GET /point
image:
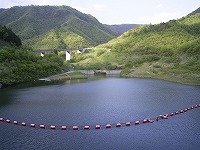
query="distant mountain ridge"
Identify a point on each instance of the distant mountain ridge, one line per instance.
(121, 28)
(35, 24)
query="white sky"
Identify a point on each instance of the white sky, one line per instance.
(121, 11)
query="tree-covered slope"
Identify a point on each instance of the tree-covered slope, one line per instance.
(58, 39)
(163, 37)
(19, 65)
(29, 22)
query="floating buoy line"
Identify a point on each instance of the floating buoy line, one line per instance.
(98, 126)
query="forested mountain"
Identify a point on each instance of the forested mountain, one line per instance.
(160, 38)
(121, 28)
(56, 26)
(168, 50)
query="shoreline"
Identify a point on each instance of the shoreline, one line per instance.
(73, 75)
(184, 81)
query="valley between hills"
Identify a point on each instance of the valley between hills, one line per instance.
(169, 50)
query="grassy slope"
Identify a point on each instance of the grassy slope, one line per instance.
(70, 76)
(166, 51)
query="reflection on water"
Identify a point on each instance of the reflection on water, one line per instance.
(102, 101)
(4, 98)
(38, 83)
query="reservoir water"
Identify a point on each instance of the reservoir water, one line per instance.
(102, 101)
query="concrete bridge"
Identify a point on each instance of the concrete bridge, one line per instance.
(103, 72)
(68, 52)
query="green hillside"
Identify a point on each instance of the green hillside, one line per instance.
(58, 39)
(38, 23)
(168, 51)
(164, 37)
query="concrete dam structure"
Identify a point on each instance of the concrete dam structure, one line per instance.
(101, 72)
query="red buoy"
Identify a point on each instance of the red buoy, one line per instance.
(118, 125)
(199, 105)
(108, 126)
(171, 114)
(177, 112)
(64, 127)
(195, 106)
(145, 120)
(165, 117)
(181, 111)
(42, 126)
(75, 127)
(188, 108)
(53, 127)
(15, 122)
(8, 121)
(87, 127)
(128, 123)
(97, 127)
(185, 110)
(137, 122)
(32, 125)
(151, 121)
(1, 119)
(192, 107)
(23, 124)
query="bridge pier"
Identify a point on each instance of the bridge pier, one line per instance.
(68, 52)
(68, 55)
(42, 54)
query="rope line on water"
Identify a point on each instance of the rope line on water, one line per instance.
(98, 126)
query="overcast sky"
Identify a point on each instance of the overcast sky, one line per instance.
(121, 11)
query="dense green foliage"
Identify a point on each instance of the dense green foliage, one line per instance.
(58, 39)
(8, 36)
(36, 24)
(21, 64)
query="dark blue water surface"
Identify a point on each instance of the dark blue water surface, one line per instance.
(107, 100)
